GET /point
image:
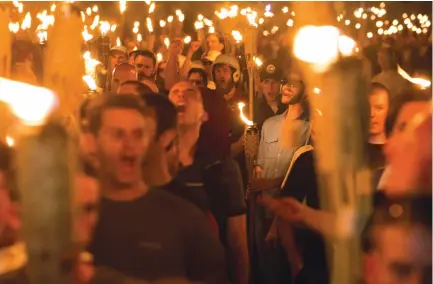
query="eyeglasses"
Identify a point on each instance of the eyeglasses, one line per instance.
(291, 83)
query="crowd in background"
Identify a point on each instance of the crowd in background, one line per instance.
(162, 194)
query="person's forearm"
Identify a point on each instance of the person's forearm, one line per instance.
(236, 148)
(241, 262)
(321, 221)
(237, 242)
(171, 73)
(186, 66)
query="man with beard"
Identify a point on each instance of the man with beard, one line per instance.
(145, 62)
(227, 75)
(281, 135)
(270, 82)
(219, 180)
(143, 232)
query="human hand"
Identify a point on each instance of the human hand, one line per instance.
(175, 48)
(287, 209)
(195, 45)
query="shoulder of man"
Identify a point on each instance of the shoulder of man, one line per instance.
(178, 205)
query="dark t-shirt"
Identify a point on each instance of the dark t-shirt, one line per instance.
(225, 190)
(156, 236)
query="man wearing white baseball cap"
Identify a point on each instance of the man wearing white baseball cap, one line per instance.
(118, 55)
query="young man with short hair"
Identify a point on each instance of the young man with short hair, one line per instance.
(219, 179)
(145, 62)
(145, 232)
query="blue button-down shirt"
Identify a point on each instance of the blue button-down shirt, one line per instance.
(273, 157)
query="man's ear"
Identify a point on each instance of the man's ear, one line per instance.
(205, 116)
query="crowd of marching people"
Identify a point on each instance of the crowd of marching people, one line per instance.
(163, 190)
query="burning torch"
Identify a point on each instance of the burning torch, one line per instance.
(104, 52)
(251, 136)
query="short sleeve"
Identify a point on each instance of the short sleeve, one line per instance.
(224, 186)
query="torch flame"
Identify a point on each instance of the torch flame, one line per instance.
(105, 28)
(14, 27)
(139, 38)
(424, 84)
(198, 25)
(159, 57)
(122, 6)
(167, 42)
(10, 141)
(118, 42)
(91, 84)
(162, 23)
(187, 39)
(152, 8)
(170, 19)
(89, 11)
(27, 22)
(237, 36)
(149, 25)
(53, 8)
(241, 106)
(31, 104)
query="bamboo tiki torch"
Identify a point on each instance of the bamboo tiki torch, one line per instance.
(344, 179)
(64, 66)
(45, 163)
(5, 64)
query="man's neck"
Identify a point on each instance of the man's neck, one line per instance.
(156, 172)
(377, 139)
(294, 111)
(117, 193)
(229, 94)
(273, 104)
(188, 138)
